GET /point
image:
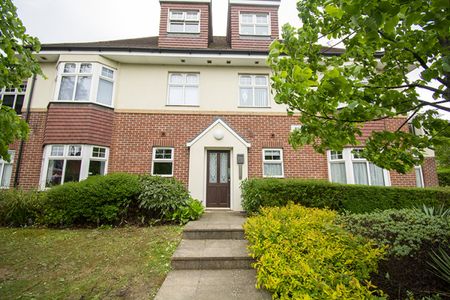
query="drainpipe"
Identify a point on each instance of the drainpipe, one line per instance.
(22, 142)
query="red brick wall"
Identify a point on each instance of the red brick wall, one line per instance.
(78, 123)
(429, 172)
(183, 40)
(249, 42)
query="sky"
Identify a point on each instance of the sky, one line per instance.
(55, 21)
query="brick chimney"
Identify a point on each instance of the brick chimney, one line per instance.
(252, 24)
(185, 24)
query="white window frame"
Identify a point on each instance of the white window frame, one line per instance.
(85, 158)
(183, 20)
(163, 160)
(16, 92)
(254, 24)
(3, 163)
(253, 86)
(348, 159)
(296, 127)
(96, 75)
(281, 161)
(419, 168)
(183, 85)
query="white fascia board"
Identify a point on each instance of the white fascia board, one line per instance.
(187, 1)
(219, 121)
(256, 2)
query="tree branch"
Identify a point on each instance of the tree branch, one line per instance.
(412, 85)
(436, 104)
(408, 119)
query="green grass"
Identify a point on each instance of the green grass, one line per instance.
(119, 263)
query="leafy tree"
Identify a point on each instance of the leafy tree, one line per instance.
(16, 65)
(336, 93)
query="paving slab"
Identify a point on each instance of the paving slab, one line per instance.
(211, 284)
(219, 220)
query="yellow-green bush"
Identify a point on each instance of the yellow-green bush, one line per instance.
(302, 254)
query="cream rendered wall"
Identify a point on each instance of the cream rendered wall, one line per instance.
(198, 164)
(44, 88)
(144, 87)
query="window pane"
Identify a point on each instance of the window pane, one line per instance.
(163, 154)
(69, 68)
(19, 104)
(357, 153)
(247, 29)
(176, 27)
(74, 150)
(98, 152)
(192, 79)
(261, 30)
(57, 151)
(245, 80)
(337, 171)
(176, 78)
(96, 168)
(272, 169)
(72, 170)
(86, 68)
(192, 27)
(246, 97)
(176, 95)
(261, 19)
(54, 172)
(105, 91)
(247, 18)
(272, 155)
(360, 172)
(191, 94)
(376, 175)
(261, 97)
(176, 15)
(419, 181)
(223, 167)
(213, 168)
(23, 88)
(261, 80)
(83, 88)
(107, 72)
(66, 89)
(8, 100)
(336, 155)
(192, 15)
(6, 175)
(162, 168)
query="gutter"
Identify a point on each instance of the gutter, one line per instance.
(22, 142)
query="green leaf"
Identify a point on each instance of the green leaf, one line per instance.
(334, 11)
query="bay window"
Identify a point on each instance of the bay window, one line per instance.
(85, 82)
(68, 163)
(6, 170)
(348, 166)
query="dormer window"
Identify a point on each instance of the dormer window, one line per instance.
(181, 21)
(256, 24)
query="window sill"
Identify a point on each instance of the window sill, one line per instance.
(255, 37)
(81, 102)
(183, 105)
(188, 34)
(260, 107)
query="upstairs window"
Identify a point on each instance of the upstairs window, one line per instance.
(162, 162)
(183, 89)
(85, 82)
(273, 163)
(6, 171)
(13, 97)
(254, 24)
(184, 21)
(348, 166)
(253, 90)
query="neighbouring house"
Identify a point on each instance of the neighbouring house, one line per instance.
(184, 104)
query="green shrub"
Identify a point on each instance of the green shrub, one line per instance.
(404, 230)
(98, 200)
(301, 254)
(444, 177)
(258, 193)
(19, 208)
(190, 211)
(162, 195)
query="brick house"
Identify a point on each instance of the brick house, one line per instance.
(184, 104)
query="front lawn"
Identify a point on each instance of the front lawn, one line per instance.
(119, 263)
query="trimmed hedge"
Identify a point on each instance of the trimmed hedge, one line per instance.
(257, 193)
(444, 177)
(20, 208)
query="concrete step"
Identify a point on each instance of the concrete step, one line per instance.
(214, 233)
(211, 284)
(211, 255)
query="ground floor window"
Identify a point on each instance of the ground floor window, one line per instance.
(162, 161)
(67, 163)
(273, 163)
(6, 171)
(419, 176)
(348, 166)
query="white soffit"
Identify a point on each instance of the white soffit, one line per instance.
(228, 128)
(256, 2)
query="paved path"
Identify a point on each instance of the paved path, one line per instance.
(212, 262)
